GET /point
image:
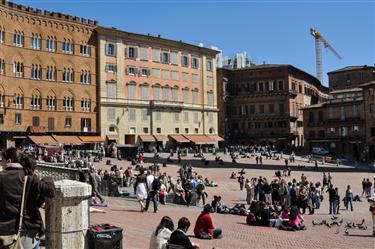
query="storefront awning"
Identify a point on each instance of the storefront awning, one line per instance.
(147, 138)
(112, 137)
(69, 140)
(42, 140)
(91, 139)
(216, 138)
(160, 138)
(179, 138)
(200, 139)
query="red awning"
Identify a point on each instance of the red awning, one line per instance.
(72, 140)
(91, 139)
(216, 138)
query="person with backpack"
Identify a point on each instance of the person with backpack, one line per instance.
(153, 187)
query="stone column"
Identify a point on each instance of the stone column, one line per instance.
(67, 216)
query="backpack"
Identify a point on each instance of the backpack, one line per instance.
(156, 184)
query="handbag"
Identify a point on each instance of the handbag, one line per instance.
(13, 241)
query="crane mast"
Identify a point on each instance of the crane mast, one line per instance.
(318, 52)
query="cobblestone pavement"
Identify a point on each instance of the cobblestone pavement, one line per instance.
(236, 233)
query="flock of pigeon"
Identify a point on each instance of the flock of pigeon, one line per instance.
(338, 223)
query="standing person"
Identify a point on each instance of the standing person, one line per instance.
(286, 162)
(267, 192)
(249, 191)
(200, 191)
(319, 195)
(325, 180)
(179, 237)
(349, 198)
(162, 234)
(16, 167)
(153, 186)
(337, 201)
(140, 188)
(260, 160)
(93, 180)
(329, 178)
(363, 187)
(204, 228)
(241, 181)
(332, 199)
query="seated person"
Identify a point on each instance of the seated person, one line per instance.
(233, 176)
(204, 228)
(162, 233)
(179, 237)
(259, 214)
(295, 221)
(218, 207)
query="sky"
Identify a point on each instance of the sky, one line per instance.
(270, 31)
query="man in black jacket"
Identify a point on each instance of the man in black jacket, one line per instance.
(332, 199)
(15, 167)
(179, 237)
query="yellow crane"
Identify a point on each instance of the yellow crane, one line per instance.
(318, 52)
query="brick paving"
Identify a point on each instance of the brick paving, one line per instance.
(236, 233)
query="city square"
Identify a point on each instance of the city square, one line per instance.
(187, 124)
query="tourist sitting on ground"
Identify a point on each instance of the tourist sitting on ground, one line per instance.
(233, 176)
(238, 209)
(208, 183)
(179, 237)
(218, 207)
(259, 214)
(169, 160)
(295, 221)
(162, 234)
(204, 228)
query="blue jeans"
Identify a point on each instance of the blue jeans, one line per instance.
(317, 204)
(349, 201)
(332, 206)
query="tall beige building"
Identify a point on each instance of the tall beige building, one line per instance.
(154, 89)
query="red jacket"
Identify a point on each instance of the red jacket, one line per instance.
(203, 224)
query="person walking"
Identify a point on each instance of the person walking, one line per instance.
(21, 189)
(241, 181)
(332, 199)
(140, 188)
(153, 186)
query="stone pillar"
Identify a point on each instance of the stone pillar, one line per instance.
(67, 216)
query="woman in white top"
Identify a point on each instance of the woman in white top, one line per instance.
(162, 234)
(140, 188)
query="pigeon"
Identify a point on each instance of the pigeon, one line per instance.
(346, 232)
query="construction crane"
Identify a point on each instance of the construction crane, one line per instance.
(318, 52)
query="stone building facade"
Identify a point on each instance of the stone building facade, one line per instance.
(152, 87)
(369, 113)
(338, 125)
(350, 77)
(263, 104)
(47, 73)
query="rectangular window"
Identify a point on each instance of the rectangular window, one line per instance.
(132, 113)
(196, 115)
(185, 61)
(209, 80)
(186, 116)
(186, 130)
(343, 113)
(195, 78)
(158, 130)
(165, 94)
(86, 124)
(18, 119)
(51, 124)
(185, 92)
(165, 57)
(144, 115)
(260, 86)
(156, 73)
(144, 55)
(177, 130)
(35, 121)
(372, 131)
(165, 74)
(371, 108)
(210, 99)
(145, 72)
(156, 54)
(131, 70)
(131, 52)
(111, 114)
(68, 122)
(270, 86)
(2, 35)
(195, 63)
(185, 77)
(281, 109)
(144, 92)
(175, 94)
(209, 65)
(174, 58)
(355, 110)
(252, 109)
(110, 49)
(281, 85)
(131, 92)
(177, 117)
(196, 130)
(261, 109)
(195, 97)
(174, 75)
(110, 68)
(145, 130)
(371, 91)
(157, 115)
(156, 93)
(111, 90)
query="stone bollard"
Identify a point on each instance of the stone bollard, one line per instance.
(67, 216)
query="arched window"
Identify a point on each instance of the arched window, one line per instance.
(85, 104)
(35, 101)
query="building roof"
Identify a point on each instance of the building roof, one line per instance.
(349, 90)
(368, 83)
(351, 68)
(148, 37)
